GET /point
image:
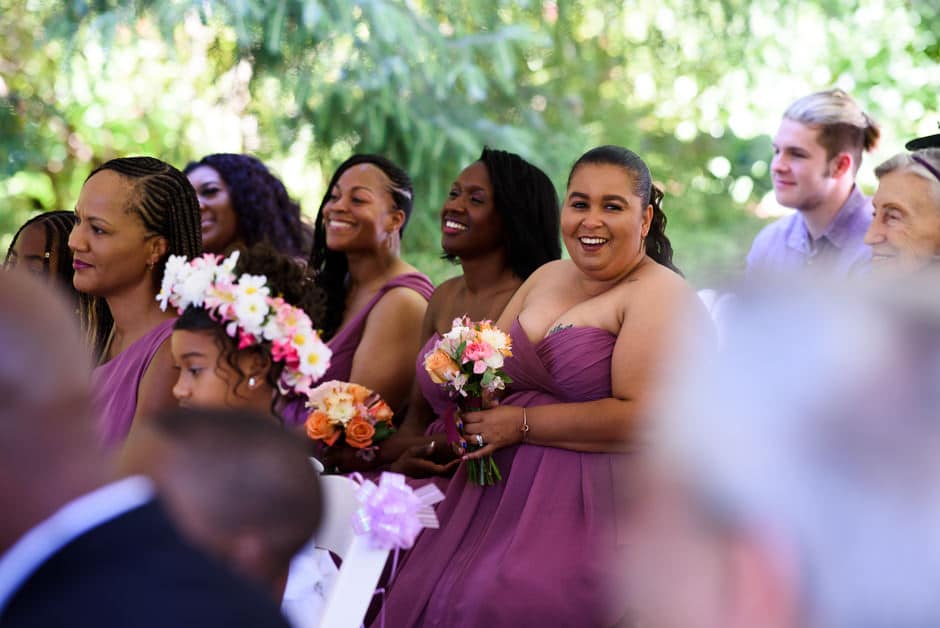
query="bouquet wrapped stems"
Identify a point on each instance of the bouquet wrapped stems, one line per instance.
(483, 471)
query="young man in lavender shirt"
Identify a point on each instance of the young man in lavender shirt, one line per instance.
(817, 151)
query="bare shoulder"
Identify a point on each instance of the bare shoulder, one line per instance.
(662, 293)
(551, 273)
(401, 303)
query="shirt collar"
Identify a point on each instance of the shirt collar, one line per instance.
(841, 232)
(72, 520)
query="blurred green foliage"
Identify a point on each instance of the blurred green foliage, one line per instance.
(694, 86)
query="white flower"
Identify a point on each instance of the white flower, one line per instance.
(272, 329)
(494, 338)
(194, 286)
(250, 311)
(228, 264)
(252, 286)
(314, 356)
(175, 265)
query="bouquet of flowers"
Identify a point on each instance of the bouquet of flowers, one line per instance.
(468, 362)
(345, 413)
(251, 315)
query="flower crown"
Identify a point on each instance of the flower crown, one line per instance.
(245, 307)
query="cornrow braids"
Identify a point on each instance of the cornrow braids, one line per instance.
(264, 209)
(166, 203)
(330, 268)
(57, 258)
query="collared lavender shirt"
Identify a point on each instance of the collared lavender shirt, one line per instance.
(785, 245)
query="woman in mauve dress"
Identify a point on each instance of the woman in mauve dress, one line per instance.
(131, 215)
(538, 548)
(375, 301)
(500, 222)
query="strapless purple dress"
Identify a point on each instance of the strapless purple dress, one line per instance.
(344, 344)
(535, 549)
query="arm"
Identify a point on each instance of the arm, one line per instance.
(615, 423)
(155, 390)
(384, 360)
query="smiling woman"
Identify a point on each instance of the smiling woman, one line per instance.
(375, 301)
(242, 203)
(132, 214)
(587, 337)
(905, 232)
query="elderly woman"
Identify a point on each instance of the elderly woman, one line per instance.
(905, 232)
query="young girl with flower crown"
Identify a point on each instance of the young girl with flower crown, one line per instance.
(245, 336)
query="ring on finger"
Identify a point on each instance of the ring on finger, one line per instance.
(479, 439)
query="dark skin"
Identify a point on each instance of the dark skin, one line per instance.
(482, 292)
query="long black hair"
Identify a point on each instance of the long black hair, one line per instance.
(330, 268)
(166, 203)
(525, 199)
(657, 244)
(261, 203)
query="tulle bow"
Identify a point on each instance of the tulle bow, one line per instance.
(391, 514)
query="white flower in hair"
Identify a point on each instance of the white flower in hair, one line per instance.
(195, 284)
(314, 354)
(249, 315)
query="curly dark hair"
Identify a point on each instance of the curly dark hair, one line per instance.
(261, 203)
(525, 199)
(166, 203)
(657, 244)
(286, 278)
(57, 226)
(330, 268)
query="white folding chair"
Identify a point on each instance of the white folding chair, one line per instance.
(359, 573)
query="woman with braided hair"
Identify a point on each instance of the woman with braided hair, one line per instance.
(41, 247)
(243, 203)
(132, 214)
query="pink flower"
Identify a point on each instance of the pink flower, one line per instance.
(245, 340)
(479, 367)
(283, 350)
(476, 351)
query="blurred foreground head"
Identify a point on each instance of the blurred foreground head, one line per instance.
(237, 485)
(48, 447)
(793, 481)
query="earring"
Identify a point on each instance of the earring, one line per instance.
(251, 382)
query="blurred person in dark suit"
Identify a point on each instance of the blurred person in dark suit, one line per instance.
(76, 547)
(236, 483)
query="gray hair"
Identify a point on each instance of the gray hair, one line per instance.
(914, 163)
(817, 426)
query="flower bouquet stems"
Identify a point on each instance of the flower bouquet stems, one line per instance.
(468, 362)
(483, 471)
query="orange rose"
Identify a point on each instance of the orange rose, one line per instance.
(359, 393)
(319, 428)
(380, 411)
(440, 367)
(359, 433)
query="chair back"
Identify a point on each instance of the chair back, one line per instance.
(349, 598)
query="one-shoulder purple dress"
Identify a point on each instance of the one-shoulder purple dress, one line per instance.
(344, 344)
(116, 383)
(537, 548)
